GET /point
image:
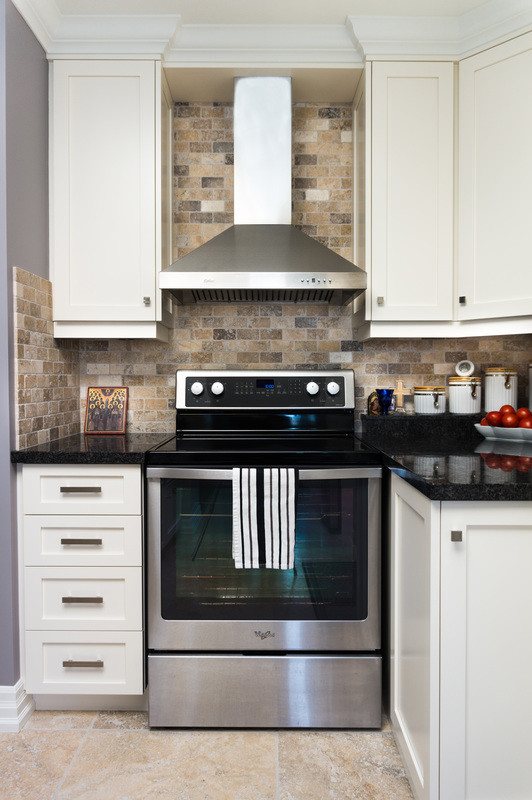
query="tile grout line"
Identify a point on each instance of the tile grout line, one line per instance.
(68, 769)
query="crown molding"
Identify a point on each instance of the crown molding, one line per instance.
(99, 35)
(454, 37)
(297, 44)
(163, 36)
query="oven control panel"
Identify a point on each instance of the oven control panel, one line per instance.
(240, 390)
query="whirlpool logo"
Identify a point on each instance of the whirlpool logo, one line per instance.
(264, 635)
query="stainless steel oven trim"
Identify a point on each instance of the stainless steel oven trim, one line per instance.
(240, 635)
(347, 374)
(227, 474)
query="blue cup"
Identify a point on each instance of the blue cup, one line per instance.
(385, 398)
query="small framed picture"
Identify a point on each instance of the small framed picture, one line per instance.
(106, 409)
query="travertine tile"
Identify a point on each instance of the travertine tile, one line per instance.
(181, 765)
(34, 762)
(121, 720)
(60, 720)
(337, 765)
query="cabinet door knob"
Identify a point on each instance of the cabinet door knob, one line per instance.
(380, 300)
(456, 536)
(462, 299)
(146, 301)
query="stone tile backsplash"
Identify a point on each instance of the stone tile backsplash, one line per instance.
(46, 369)
(53, 375)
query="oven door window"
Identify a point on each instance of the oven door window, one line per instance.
(198, 576)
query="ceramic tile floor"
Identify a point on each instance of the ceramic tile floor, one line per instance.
(86, 755)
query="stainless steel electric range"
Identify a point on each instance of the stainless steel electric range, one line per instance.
(232, 646)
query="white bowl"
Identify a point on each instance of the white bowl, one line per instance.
(508, 434)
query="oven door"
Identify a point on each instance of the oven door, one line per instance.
(198, 600)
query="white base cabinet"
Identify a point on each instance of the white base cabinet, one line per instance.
(461, 645)
(486, 652)
(81, 579)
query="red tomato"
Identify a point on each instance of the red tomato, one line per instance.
(508, 463)
(526, 422)
(493, 461)
(484, 421)
(522, 413)
(507, 410)
(522, 466)
(494, 417)
(526, 460)
(509, 420)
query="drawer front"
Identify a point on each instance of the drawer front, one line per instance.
(81, 489)
(75, 662)
(83, 598)
(77, 541)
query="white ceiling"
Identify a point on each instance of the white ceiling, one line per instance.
(270, 12)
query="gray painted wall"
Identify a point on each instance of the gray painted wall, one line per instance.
(27, 146)
(23, 242)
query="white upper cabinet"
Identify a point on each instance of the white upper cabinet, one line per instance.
(411, 191)
(495, 180)
(106, 197)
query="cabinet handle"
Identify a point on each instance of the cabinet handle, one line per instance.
(380, 301)
(146, 301)
(456, 536)
(462, 299)
(82, 599)
(80, 489)
(81, 541)
(70, 663)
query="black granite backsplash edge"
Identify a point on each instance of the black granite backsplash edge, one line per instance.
(421, 426)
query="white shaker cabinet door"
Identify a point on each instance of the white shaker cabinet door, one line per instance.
(486, 651)
(414, 642)
(411, 191)
(103, 190)
(495, 180)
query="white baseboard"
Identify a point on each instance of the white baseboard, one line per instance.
(15, 707)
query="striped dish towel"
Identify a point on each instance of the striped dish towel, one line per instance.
(264, 517)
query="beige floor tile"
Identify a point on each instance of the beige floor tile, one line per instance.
(121, 720)
(34, 762)
(339, 765)
(176, 765)
(60, 720)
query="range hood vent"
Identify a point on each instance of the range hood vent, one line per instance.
(262, 257)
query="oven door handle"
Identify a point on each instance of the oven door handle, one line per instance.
(176, 473)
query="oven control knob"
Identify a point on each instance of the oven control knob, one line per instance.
(333, 387)
(217, 388)
(197, 388)
(312, 387)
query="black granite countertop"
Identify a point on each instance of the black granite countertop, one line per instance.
(446, 459)
(443, 457)
(92, 449)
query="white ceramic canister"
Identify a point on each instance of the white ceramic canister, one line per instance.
(464, 469)
(464, 395)
(500, 388)
(432, 468)
(429, 400)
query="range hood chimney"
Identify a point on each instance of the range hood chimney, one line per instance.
(262, 257)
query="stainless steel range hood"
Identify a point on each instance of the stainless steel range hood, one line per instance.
(262, 257)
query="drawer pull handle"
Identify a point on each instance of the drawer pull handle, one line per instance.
(80, 489)
(82, 600)
(97, 664)
(82, 541)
